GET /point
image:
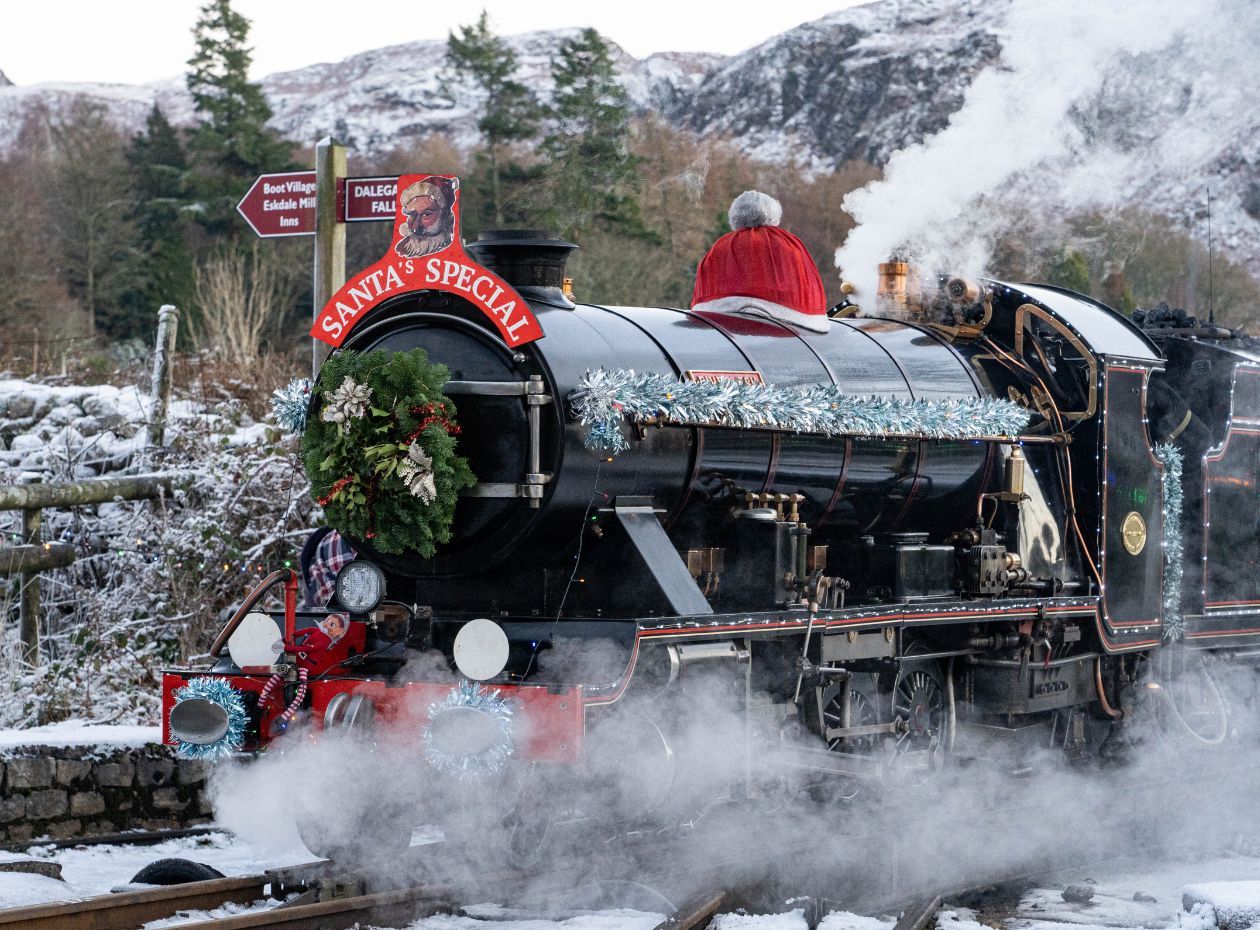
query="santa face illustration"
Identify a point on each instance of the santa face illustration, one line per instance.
(430, 222)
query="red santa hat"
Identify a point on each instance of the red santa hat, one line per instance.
(761, 270)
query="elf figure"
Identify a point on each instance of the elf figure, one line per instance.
(324, 635)
(760, 270)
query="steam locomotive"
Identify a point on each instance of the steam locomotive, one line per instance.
(820, 610)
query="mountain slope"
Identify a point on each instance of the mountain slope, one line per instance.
(1159, 131)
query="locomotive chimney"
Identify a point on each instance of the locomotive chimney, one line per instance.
(531, 260)
(900, 291)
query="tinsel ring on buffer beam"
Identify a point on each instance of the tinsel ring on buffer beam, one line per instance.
(470, 763)
(215, 691)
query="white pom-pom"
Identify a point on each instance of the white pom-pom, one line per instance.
(753, 208)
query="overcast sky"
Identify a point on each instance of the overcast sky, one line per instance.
(134, 41)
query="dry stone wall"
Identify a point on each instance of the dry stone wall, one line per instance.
(58, 791)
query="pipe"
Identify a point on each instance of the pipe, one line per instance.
(290, 608)
(1102, 694)
(250, 600)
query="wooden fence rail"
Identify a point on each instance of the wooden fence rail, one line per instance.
(33, 555)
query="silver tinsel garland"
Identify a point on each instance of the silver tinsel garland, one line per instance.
(603, 399)
(217, 691)
(477, 765)
(1170, 455)
(289, 405)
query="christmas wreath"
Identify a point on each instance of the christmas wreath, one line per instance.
(380, 452)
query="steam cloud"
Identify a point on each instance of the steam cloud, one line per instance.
(857, 846)
(1083, 91)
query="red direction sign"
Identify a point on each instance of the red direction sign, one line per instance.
(281, 204)
(370, 200)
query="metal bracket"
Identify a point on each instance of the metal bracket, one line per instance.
(639, 519)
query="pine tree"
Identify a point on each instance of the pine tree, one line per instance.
(479, 58)
(588, 148)
(231, 142)
(162, 270)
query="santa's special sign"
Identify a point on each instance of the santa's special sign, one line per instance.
(426, 254)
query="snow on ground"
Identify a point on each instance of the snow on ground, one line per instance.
(792, 920)
(599, 920)
(843, 920)
(1133, 896)
(94, 870)
(80, 733)
(1146, 895)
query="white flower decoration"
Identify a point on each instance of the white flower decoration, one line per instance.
(350, 401)
(416, 471)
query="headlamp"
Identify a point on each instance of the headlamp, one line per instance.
(360, 587)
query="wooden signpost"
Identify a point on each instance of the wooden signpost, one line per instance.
(323, 201)
(319, 203)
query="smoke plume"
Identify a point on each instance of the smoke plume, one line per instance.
(1083, 92)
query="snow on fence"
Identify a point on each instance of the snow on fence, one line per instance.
(150, 577)
(33, 556)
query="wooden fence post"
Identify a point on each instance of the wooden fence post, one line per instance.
(160, 385)
(29, 607)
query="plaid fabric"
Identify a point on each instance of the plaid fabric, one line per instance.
(331, 555)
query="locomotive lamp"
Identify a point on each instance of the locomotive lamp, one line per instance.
(360, 587)
(481, 649)
(198, 721)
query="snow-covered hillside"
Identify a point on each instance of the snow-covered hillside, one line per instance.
(1158, 130)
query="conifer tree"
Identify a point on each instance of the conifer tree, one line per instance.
(163, 266)
(230, 141)
(592, 169)
(480, 59)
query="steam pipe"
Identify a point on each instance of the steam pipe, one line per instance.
(251, 599)
(1102, 694)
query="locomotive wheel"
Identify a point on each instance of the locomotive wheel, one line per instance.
(920, 700)
(863, 711)
(348, 839)
(1191, 710)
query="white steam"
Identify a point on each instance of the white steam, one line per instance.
(1019, 123)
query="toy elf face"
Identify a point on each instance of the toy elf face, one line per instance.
(335, 626)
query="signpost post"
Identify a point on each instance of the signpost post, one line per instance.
(330, 235)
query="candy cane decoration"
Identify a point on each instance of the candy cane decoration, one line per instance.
(291, 711)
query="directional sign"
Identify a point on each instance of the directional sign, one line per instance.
(370, 200)
(281, 204)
